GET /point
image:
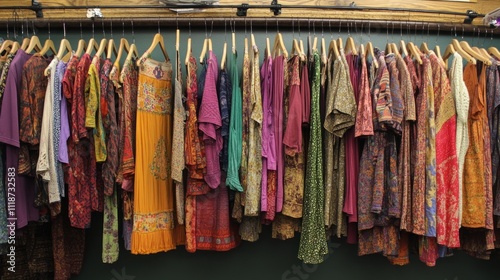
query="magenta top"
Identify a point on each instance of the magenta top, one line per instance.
(268, 128)
(277, 92)
(209, 122)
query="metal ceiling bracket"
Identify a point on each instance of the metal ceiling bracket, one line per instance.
(242, 10)
(276, 9)
(471, 15)
(37, 8)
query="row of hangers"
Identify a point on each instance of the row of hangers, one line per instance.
(33, 45)
(109, 47)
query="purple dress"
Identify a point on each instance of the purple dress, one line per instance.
(9, 134)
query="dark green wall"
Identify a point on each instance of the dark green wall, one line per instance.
(268, 258)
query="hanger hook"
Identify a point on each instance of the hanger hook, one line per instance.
(103, 30)
(49, 29)
(64, 29)
(298, 26)
(293, 29)
(206, 30)
(463, 31)
(159, 31)
(211, 29)
(369, 31)
(189, 24)
(8, 29)
(111, 29)
(133, 32)
(322, 30)
(33, 27)
(392, 32)
(277, 26)
(314, 28)
(266, 26)
(437, 37)
(387, 31)
(225, 30)
(330, 28)
(401, 30)
(340, 25)
(251, 27)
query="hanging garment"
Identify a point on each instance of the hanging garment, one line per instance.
(424, 134)
(268, 194)
(313, 246)
(129, 75)
(224, 90)
(93, 116)
(110, 248)
(235, 129)
(364, 118)
(447, 226)
(239, 198)
(254, 169)
(407, 127)
(474, 196)
(153, 229)
(195, 157)
(209, 123)
(477, 243)
(279, 64)
(350, 207)
(81, 174)
(178, 160)
(46, 165)
(9, 134)
(461, 99)
(293, 188)
(493, 102)
(377, 186)
(293, 192)
(3, 76)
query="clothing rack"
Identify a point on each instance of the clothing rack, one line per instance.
(282, 23)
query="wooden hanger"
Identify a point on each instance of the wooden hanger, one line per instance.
(324, 57)
(296, 50)
(369, 51)
(424, 48)
(92, 45)
(315, 44)
(48, 46)
(80, 48)
(494, 51)
(233, 39)
(204, 50)
(415, 52)
(34, 44)
(483, 52)
(123, 46)
(6, 47)
(64, 48)
(388, 48)
(333, 49)
(15, 47)
(458, 48)
(268, 48)
(362, 52)
(279, 46)
(395, 49)
(437, 51)
(111, 48)
(301, 44)
(25, 44)
(188, 51)
(102, 47)
(223, 60)
(449, 51)
(340, 43)
(478, 56)
(157, 40)
(350, 46)
(132, 51)
(402, 48)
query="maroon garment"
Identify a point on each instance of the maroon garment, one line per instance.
(278, 92)
(352, 161)
(82, 175)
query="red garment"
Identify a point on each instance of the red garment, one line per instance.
(82, 175)
(447, 223)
